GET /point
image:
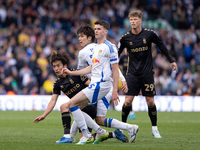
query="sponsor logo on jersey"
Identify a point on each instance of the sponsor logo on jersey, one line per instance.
(73, 89)
(94, 61)
(140, 49)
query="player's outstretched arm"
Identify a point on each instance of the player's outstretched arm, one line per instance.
(39, 118)
(115, 97)
(83, 71)
(50, 107)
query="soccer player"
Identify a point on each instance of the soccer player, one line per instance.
(104, 63)
(140, 72)
(86, 36)
(70, 86)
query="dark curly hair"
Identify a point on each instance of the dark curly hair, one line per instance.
(87, 30)
(59, 55)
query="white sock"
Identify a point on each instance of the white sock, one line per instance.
(91, 123)
(80, 120)
(113, 134)
(154, 128)
(67, 135)
(74, 128)
(114, 123)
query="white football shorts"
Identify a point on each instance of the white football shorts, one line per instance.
(96, 91)
(103, 104)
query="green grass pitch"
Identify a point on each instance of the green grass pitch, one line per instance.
(179, 131)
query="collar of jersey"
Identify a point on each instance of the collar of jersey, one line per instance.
(90, 43)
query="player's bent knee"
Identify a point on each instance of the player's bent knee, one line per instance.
(150, 101)
(128, 103)
(64, 107)
(100, 120)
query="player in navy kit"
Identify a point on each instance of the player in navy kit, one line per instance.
(70, 86)
(140, 73)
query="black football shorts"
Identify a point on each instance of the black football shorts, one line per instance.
(144, 84)
(91, 110)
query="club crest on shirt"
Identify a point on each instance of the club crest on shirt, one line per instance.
(83, 77)
(100, 51)
(61, 86)
(144, 41)
(131, 43)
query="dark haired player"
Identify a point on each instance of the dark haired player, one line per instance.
(70, 86)
(140, 74)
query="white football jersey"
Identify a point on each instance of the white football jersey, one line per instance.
(85, 56)
(104, 55)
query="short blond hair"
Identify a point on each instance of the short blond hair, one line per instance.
(136, 13)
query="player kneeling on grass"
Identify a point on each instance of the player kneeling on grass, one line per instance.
(66, 83)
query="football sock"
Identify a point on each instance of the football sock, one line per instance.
(91, 123)
(66, 120)
(125, 111)
(153, 115)
(113, 135)
(154, 128)
(67, 135)
(74, 128)
(114, 123)
(80, 120)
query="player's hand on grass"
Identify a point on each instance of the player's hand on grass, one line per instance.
(124, 87)
(40, 118)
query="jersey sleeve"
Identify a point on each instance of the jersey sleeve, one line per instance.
(81, 60)
(84, 78)
(113, 54)
(121, 46)
(162, 47)
(56, 89)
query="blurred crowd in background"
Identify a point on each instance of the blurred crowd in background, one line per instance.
(31, 29)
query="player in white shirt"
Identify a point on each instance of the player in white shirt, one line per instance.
(103, 58)
(84, 59)
(85, 55)
(101, 82)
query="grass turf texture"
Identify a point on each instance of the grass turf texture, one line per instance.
(179, 130)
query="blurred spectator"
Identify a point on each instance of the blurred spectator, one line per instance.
(31, 29)
(47, 87)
